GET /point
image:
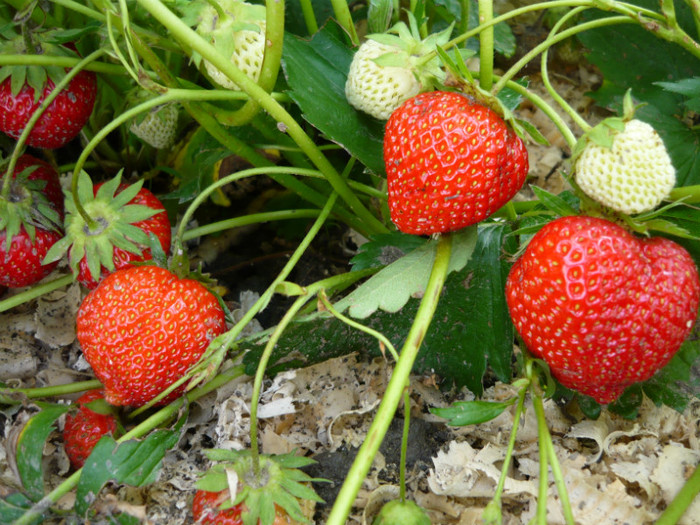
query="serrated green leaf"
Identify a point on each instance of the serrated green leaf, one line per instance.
(213, 481)
(553, 202)
(392, 287)
(384, 249)
(30, 447)
(689, 87)
(132, 462)
(674, 385)
(464, 413)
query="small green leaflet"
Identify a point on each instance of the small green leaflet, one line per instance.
(391, 288)
(464, 413)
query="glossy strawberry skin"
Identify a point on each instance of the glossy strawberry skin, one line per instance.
(604, 308)
(21, 265)
(62, 120)
(142, 328)
(450, 163)
(84, 428)
(158, 224)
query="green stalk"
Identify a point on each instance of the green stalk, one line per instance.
(541, 515)
(161, 417)
(48, 391)
(688, 194)
(34, 292)
(68, 62)
(307, 10)
(545, 75)
(237, 222)
(342, 14)
(551, 459)
(677, 508)
(486, 45)
(180, 31)
(395, 389)
(549, 42)
(272, 58)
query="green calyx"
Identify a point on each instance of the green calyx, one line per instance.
(112, 225)
(25, 206)
(32, 75)
(411, 51)
(278, 482)
(220, 21)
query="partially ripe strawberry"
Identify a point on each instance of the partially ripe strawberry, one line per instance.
(389, 69)
(63, 118)
(158, 127)
(142, 328)
(84, 428)
(239, 34)
(398, 512)
(450, 163)
(605, 309)
(633, 175)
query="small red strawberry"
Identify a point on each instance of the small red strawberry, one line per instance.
(124, 217)
(450, 162)
(22, 92)
(604, 308)
(142, 328)
(84, 428)
(206, 511)
(31, 213)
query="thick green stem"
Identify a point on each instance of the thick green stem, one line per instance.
(34, 292)
(486, 45)
(342, 14)
(272, 58)
(47, 391)
(307, 10)
(395, 389)
(255, 218)
(685, 497)
(541, 514)
(180, 31)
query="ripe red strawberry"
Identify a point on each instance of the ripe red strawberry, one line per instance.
(84, 428)
(450, 163)
(61, 121)
(205, 509)
(31, 213)
(604, 308)
(142, 328)
(125, 216)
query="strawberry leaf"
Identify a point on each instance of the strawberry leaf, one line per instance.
(391, 288)
(464, 413)
(384, 249)
(14, 507)
(132, 462)
(30, 447)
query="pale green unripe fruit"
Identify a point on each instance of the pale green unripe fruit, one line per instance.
(158, 127)
(378, 90)
(247, 56)
(633, 176)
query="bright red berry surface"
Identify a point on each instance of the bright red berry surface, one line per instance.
(142, 328)
(62, 120)
(205, 509)
(158, 224)
(450, 163)
(604, 308)
(84, 428)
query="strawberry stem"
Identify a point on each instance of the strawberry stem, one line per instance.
(677, 508)
(47, 391)
(486, 45)
(34, 292)
(307, 10)
(342, 14)
(395, 389)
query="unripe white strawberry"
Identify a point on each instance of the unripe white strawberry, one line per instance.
(389, 69)
(158, 127)
(239, 34)
(631, 176)
(378, 90)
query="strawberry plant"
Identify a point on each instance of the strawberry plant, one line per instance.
(390, 161)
